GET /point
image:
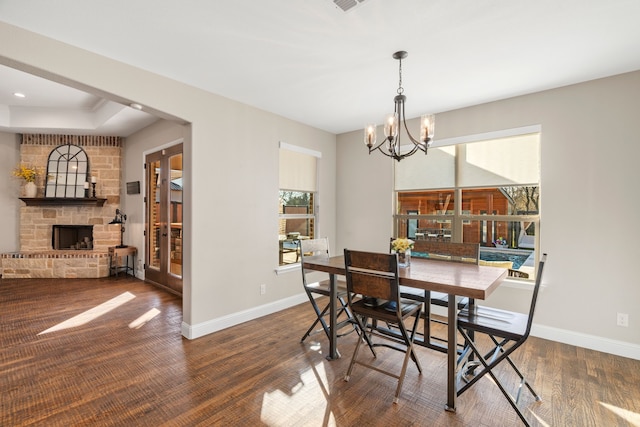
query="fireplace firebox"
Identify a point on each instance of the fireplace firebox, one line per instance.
(72, 237)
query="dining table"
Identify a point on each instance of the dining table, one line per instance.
(455, 279)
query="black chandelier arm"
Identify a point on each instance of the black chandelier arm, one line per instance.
(395, 155)
(377, 146)
(423, 145)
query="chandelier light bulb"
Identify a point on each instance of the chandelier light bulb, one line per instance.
(391, 125)
(427, 127)
(370, 135)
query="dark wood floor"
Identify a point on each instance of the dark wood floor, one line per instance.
(101, 371)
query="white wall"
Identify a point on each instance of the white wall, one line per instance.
(589, 204)
(10, 190)
(231, 178)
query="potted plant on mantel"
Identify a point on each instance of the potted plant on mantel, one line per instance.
(29, 174)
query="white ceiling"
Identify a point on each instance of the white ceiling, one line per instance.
(51, 107)
(310, 61)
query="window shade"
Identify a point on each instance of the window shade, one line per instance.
(513, 160)
(501, 162)
(297, 171)
(419, 172)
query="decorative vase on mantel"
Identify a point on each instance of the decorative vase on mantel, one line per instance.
(30, 189)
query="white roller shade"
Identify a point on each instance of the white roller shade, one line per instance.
(501, 162)
(512, 160)
(420, 172)
(297, 171)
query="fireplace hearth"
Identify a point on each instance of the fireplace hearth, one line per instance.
(79, 237)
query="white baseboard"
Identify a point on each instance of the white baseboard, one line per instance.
(214, 325)
(605, 345)
(592, 342)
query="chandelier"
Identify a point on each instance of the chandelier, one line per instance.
(392, 124)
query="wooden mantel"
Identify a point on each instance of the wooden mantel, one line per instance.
(62, 201)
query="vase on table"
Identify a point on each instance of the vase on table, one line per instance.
(30, 189)
(404, 258)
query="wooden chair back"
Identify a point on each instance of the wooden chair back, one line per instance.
(372, 274)
(447, 251)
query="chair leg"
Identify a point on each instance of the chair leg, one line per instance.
(405, 363)
(488, 369)
(523, 381)
(321, 314)
(410, 339)
(362, 337)
(319, 319)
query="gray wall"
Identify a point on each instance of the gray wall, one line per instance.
(10, 190)
(589, 207)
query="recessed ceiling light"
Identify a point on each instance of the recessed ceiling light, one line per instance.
(136, 106)
(19, 95)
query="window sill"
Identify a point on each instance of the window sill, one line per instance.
(518, 284)
(283, 269)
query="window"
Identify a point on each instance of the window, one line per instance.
(296, 201)
(480, 190)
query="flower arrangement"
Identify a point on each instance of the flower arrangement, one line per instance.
(29, 174)
(401, 245)
(500, 241)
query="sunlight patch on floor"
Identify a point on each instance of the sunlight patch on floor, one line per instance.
(91, 314)
(142, 320)
(290, 407)
(625, 414)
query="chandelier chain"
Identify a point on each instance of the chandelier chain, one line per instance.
(400, 88)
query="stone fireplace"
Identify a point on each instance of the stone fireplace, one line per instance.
(38, 256)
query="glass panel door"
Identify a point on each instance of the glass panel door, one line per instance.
(164, 218)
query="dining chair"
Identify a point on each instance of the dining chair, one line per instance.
(374, 277)
(314, 249)
(441, 251)
(507, 331)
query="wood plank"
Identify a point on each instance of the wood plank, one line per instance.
(104, 373)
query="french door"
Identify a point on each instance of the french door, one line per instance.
(163, 263)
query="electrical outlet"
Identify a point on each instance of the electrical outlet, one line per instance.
(623, 319)
(263, 289)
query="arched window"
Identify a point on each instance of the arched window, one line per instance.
(67, 172)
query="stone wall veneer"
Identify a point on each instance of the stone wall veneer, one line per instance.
(36, 257)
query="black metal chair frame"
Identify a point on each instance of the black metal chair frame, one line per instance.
(319, 248)
(373, 288)
(508, 331)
